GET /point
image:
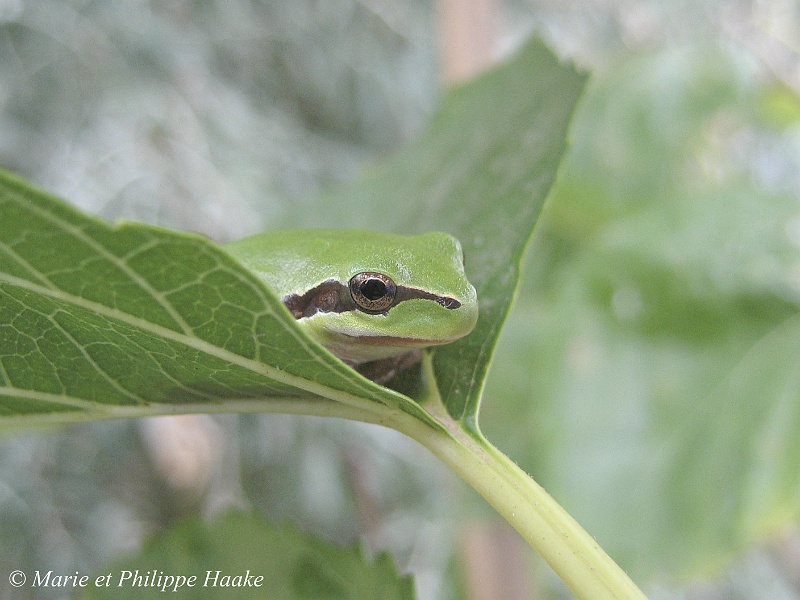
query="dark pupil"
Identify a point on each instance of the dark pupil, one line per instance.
(373, 289)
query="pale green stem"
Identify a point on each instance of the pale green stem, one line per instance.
(572, 553)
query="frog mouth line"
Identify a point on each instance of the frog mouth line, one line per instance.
(332, 296)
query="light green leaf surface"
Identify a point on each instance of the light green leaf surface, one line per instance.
(292, 566)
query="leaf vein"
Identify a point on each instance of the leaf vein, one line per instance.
(82, 349)
(27, 266)
(115, 260)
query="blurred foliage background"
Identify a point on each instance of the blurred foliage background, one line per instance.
(649, 375)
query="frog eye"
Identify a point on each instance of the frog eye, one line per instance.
(372, 292)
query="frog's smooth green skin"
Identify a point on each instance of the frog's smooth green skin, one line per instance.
(311, 271)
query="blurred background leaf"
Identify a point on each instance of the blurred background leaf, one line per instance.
(282, 563)
(654, 347)
(648, 376)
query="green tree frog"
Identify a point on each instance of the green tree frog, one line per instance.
(367, 296)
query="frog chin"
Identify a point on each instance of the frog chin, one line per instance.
(361, 349)
(357, 349)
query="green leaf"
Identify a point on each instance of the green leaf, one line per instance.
(101, 321)
(243, 556)
(481, 172)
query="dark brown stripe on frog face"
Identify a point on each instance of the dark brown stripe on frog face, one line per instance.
(335, 297)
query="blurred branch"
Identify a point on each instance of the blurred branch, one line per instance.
(468, 31)
(496, 565)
